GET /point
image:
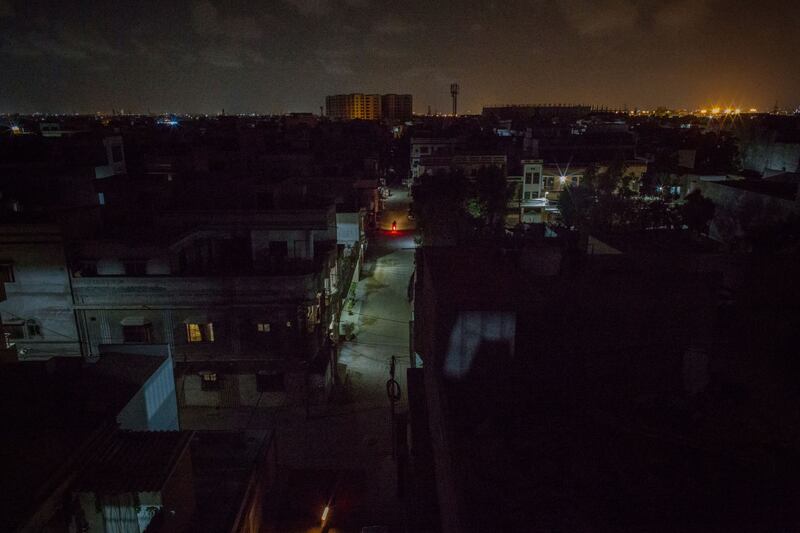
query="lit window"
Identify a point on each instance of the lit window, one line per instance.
(263, 327)
(200, 332)
(210, 381)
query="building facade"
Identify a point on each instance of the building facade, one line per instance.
(247, 303)
(397, 107)
(37, 314)
(355, 106)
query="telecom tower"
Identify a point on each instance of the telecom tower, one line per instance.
(454, 93)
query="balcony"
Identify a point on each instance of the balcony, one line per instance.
(193, 290)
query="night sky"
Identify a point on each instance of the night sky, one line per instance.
(286, 55)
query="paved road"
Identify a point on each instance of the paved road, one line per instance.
(382, 311)
(349, 439)
(353, 439)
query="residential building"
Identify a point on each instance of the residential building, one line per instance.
(58, 413)
(530, 405)
(354, 106)
(745, 207)
(37, 315)
(101, 451)
(425, 147)
(397, 107)
(248, 301)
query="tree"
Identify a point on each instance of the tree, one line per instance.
(697, 212)
(491, 197)
(575, 205)
(439, 205)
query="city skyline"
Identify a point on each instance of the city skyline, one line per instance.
(202, 56)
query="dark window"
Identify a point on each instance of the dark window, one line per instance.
(135, 268)
(14, 331)
(6, 273)
(528, 176)
(116, 153)
(210, 381)
(536, 177)
(265, 200)
(87, 268)
(269, 382)
(137, 333)
(278, 249)
(34, 329)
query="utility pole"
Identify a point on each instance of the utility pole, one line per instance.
(454, 89)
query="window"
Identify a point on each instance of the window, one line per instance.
(266, 382)
(299, 249)
(6, 273)
(141, 333)
(263, 327)
(528, 177)
(87, 268)
(34, 328)
(200, 332)
(536, 177)
(278, 249)
(135, 268)
(116, 153)
(210, 381)
(14, 330)
(101, 198)
(313, 317)
(528, 195)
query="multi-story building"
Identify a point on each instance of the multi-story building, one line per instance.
(37, 315)
(425, 147)
(520, 398)
(248, 301)
(354, 106)
(397, 107)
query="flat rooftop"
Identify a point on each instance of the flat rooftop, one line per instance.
(778, 189)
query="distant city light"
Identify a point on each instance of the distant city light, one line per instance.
(753, 110)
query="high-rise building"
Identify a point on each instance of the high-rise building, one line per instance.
(354, 106)
(396, 107)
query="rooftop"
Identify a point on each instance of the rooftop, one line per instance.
(133, 462)
(778, 189)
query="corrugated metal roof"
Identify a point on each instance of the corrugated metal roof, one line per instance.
(133, 462)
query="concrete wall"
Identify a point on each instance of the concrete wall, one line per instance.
(763, 155)
(736, 209)
(348, 228)
(237, 390)
(40, 291)
(155, 405)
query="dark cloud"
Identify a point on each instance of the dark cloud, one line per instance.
(600, 17)
(6, 9)
(249, 55)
